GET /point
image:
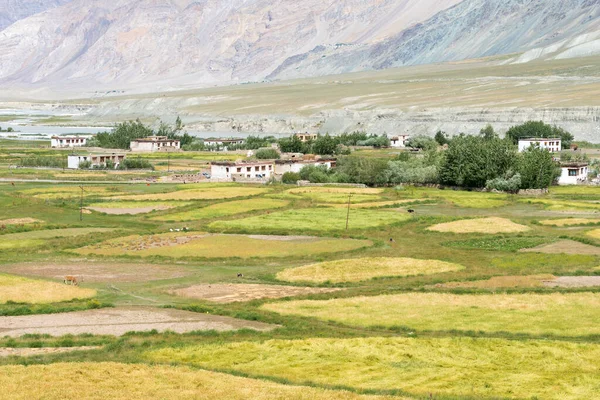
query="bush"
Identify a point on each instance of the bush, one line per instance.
(512, 184)
(422, 142)
(538, 129)
(39, 161)
(85, 165)
(135, 163)
(290, 178)
(267, 154)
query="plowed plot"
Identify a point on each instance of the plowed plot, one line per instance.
(198, 194)
(453, 368)
(573, 314)
(119, 321)
(101, 381)
(97, 271)
(573, 282)
(480, 225)
(360, 269)
(27, 352)
(199, 245)
(230, 293)
(565, 247)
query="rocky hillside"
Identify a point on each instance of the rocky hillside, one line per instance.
(14, 10)
(80, 45)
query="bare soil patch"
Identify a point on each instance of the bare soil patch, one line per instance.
(129, 211)
(500, 282)
(118, 321)
(573, 282)
(230, 293)
(565, 247)
(26, 352)
(102, 272)
(20, 221)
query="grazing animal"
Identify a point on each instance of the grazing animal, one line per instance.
(392, 240)
(71, 280)
(411, 211)
(240, 275)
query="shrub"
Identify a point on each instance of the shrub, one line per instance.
(290, 177)
(135, 163)
(503, 184)
(267, 154)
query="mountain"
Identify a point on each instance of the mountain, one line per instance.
(14, 10)
(158, 45)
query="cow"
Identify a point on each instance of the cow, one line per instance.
(240, 275)
(72, 280)
(411, 211)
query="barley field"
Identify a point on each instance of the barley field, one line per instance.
(491, 225)
(225, 209)
(23, 290)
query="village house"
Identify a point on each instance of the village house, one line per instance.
(242, 170)
(573, 173)
(96, 160)
(154, 143)
(399, 141)
(67, 141)
(552, 145)
(283, 166)
(306, 137)
(222, 143)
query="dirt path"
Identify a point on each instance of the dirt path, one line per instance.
(118, 321)
(229, 293)
(25, 352)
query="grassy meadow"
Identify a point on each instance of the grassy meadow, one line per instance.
(449, 302)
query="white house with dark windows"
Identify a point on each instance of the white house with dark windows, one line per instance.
(58, 142)
(573, 173)
(246, 170)
(552, 145)
(283, 166)
(154, 143)
(95, 160)
(399, 141)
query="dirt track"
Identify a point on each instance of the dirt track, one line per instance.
(118, 321)
(229, 293)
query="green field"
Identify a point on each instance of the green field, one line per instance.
(459, 367)
(36, 238)
(313, 219)
(555, 314)
(225, 209)
(220, 246)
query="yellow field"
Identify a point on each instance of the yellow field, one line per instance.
(503, 282)
(594, 233)
(324, 189)
(336, 195)
(375, 204)
(457, 367)
(225, 209)
(574, 314)
(459, 198)
(569, 221)
(100, 381)
(178, 245)
(480, 225)
(362, 269)
(22, 290)
(69, 192)
(208, 193)
(565, 205)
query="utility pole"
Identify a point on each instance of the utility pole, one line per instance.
(81, 204)
(348, 214)
(168, 162)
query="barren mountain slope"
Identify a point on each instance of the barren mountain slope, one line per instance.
(14, 10)
(192, 42)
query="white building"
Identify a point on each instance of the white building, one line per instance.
(67, 141)
(283, 166)
(96, 160)
(399, 141)
(573, 173)
(552, 145)
(222, 143)
(305, 137)
(154, 143)
(232, 171)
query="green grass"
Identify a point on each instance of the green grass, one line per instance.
(225, 209)
(549, 314)
(37, 238)
(313, 219)
(497, 243)
(457, 367)
(220, 246)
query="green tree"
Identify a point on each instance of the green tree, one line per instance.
(293, 144)
(290, 178)
(354, 169)
(121, 135)
(488, 132)
(538, 129)
(537, 168)
(422, 142)
(267, 154)
(471, 161)
(441, 138)
(325, 145)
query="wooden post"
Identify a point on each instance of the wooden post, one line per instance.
(348, 214)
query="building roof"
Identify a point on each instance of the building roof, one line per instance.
(68, 137)
(155, 139)
(573, 164)
(538, 139)
(241, 163)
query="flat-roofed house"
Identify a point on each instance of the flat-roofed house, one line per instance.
(95, 160)
(283, 166)
(154, 143)
(399, 141)
(58, 142)
(553, 145)
(242, 170)
(573, 173)
(305, 137)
